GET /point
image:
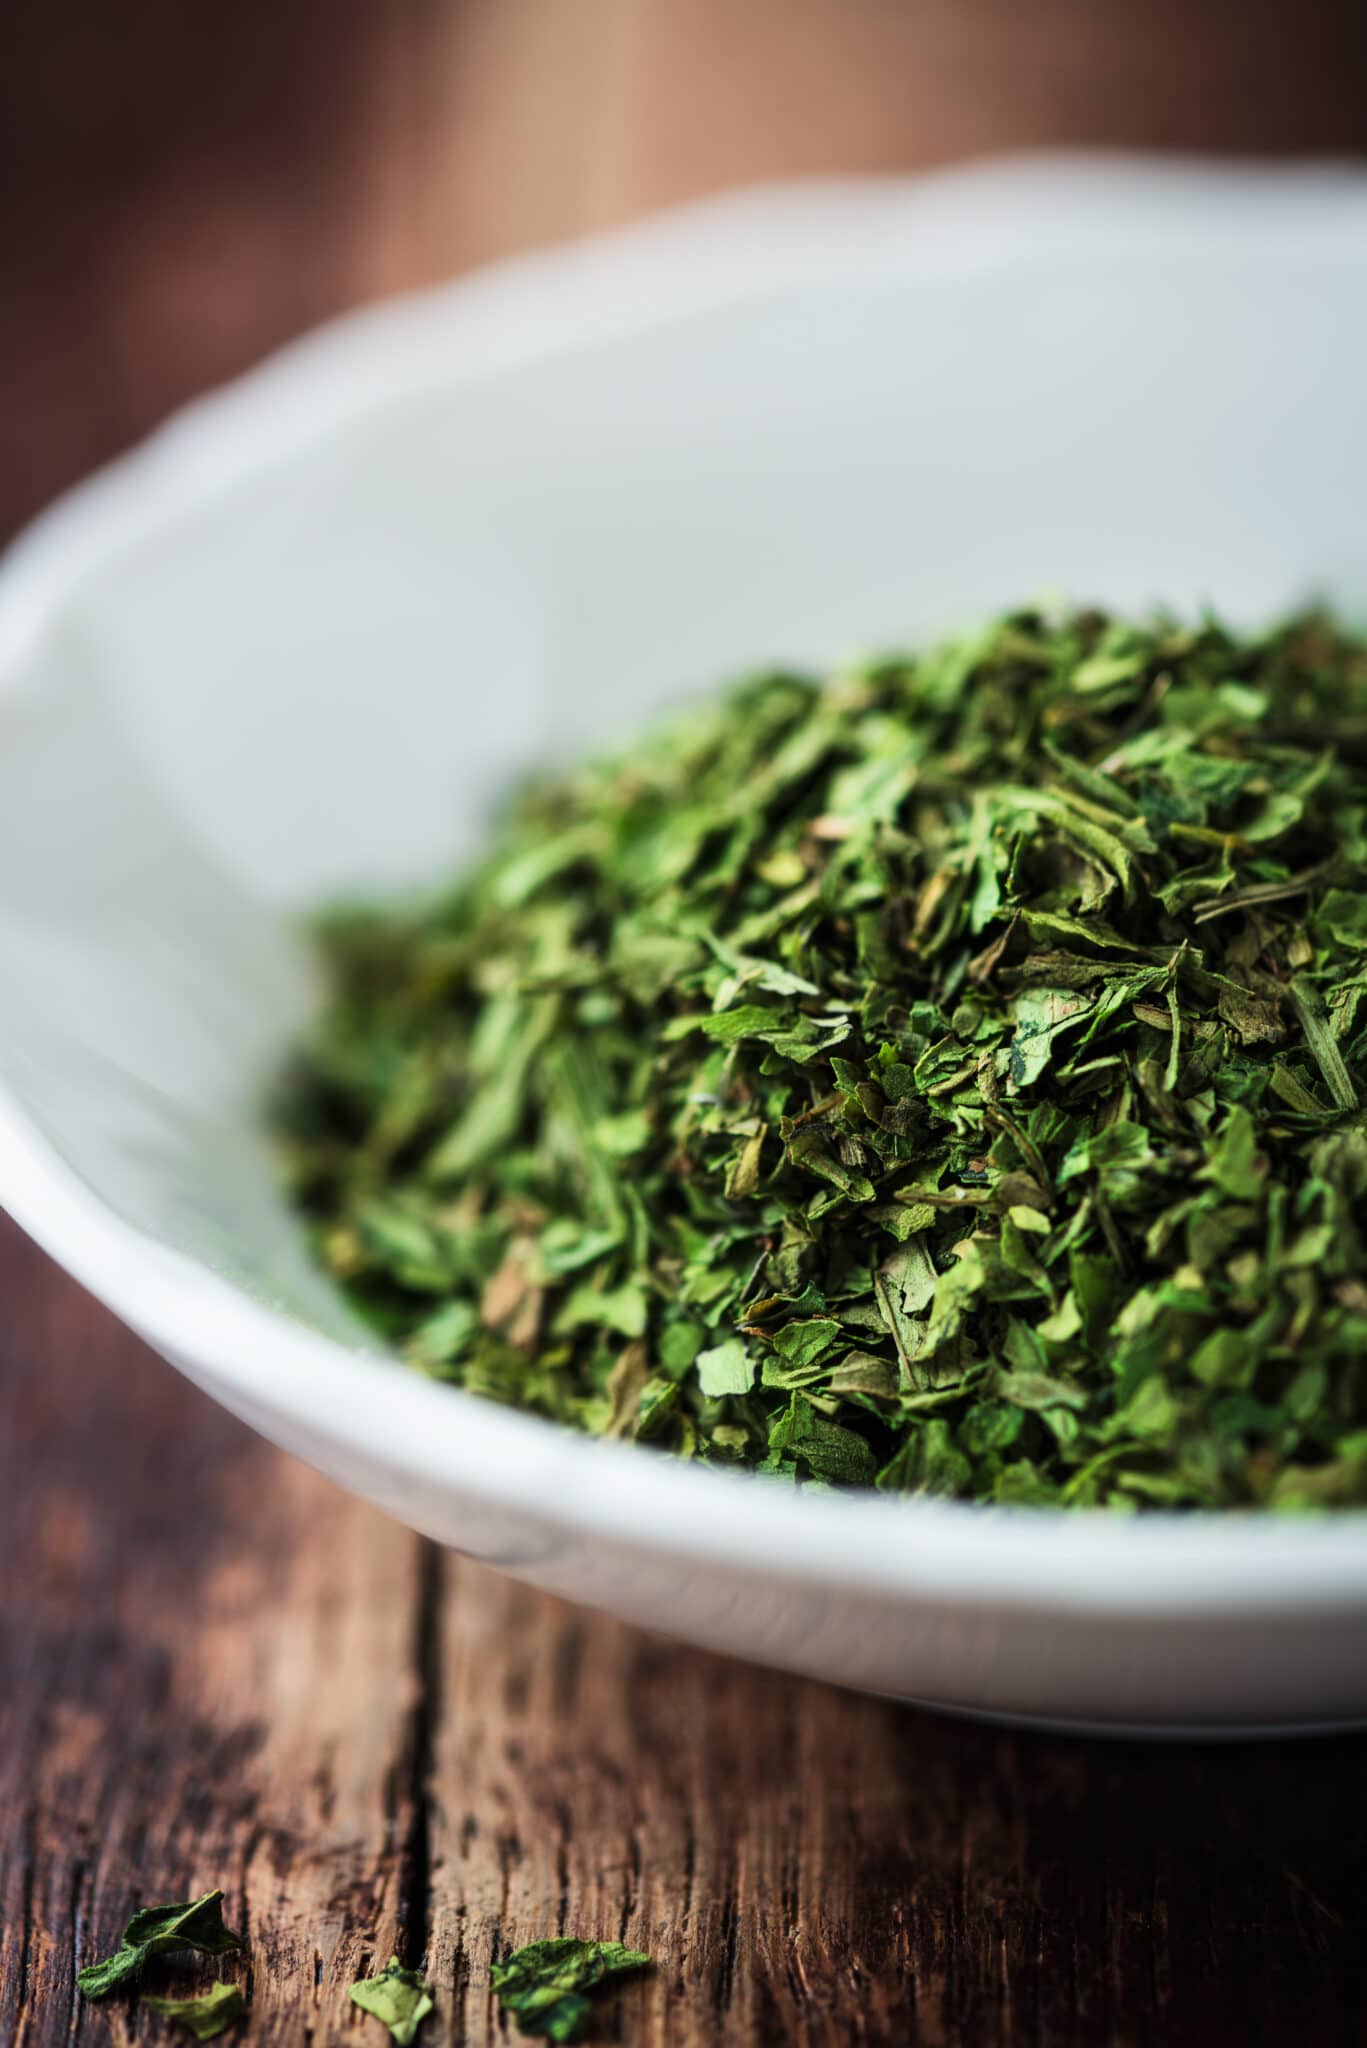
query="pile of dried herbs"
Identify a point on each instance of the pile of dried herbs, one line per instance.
(945, 1077)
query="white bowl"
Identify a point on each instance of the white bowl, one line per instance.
(296, 642)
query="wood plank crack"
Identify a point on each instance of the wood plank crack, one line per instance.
(415, 1895)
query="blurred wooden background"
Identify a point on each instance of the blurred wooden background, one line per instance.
(215, 1668)
(185, 183)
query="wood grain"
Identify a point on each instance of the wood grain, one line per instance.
(209, 1679)
(216, 1668)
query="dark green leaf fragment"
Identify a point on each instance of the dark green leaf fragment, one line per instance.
(399, 1998)
(1323, 1046)
(158, 1930)
(205, 2016)
(547, 1985)
(824, 1448)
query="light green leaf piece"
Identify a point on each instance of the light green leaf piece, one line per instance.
(205, 2016)
(548, 1985)
(725, 1369)
(749, 1020)
(397, 1997)
(804, 1342)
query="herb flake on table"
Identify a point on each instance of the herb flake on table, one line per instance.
(398, 1997)
(946, 1076)
(548, 1985)
(205, 2016)
(159, 1930)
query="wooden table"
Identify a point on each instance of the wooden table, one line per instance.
(218, 1669)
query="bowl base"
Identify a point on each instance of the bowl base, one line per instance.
(1137, 1731)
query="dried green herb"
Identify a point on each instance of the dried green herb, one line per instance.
(156, 1931)
(546, 1985)
(396, 1996)
(946, 1078)
(205, 2016)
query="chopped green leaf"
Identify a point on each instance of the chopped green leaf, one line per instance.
(205, 2016)
(399, 1998)
(547, 1985)
(158, 1930)
(725, 1369)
